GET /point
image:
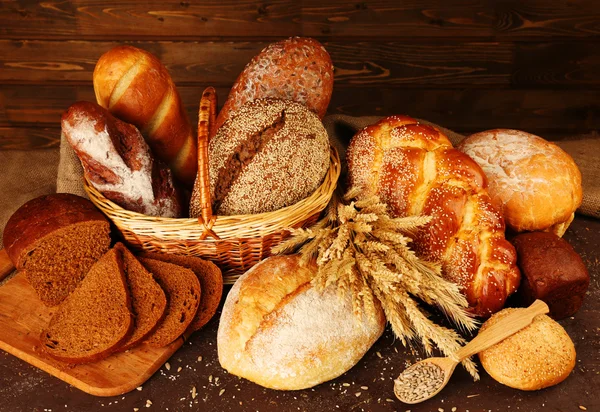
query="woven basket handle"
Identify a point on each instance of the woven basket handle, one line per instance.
(206, 121)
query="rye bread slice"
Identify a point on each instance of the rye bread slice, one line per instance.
(95, 319)
(148, 300)
(211, 283)
(183, 298)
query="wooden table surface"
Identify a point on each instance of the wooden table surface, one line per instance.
(366, 387)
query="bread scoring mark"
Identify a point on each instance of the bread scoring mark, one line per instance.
(125, 80)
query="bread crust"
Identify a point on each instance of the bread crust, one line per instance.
(41, 217)
(537, 183)
(552, 271)
(416, 171)
(117, 161)
(276, 330)
(270, 154)
(297, 69)
(536, 357)
(136, 87)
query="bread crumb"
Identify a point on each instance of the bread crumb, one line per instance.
(194, 394)
(210, 378)
(583, 408)
(364, 388)
(168, 366)
(148, 403)
(379, 355)
(345, 384)
(136, 409)
(357, 394)
(139, 388)
(179, 369)
(389, 400)
(199, 358)
(221, 392)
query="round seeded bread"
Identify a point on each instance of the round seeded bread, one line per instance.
(270, 154)
(536, 357)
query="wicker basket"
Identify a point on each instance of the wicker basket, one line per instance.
(234, 243)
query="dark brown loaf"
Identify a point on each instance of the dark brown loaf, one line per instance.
(135, 86)
(415, 170)
(211, 284)
(56, 239)
(95, 319)
(552, 271)
(297, 69)
(270, 154)
(183, 298)
(117, 161)
(148, 300)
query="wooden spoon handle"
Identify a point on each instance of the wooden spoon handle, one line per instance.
(6, 266)
(507, 326)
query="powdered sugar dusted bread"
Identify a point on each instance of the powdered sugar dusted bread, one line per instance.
(117, 161)
(297, 69)
(276, 330)
(272, 153)
(537, 183)
(416, 171)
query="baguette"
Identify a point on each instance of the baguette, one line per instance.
(137, 88)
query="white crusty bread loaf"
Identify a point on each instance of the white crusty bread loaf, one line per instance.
(276, 330)
(537, 183)
(536, 357)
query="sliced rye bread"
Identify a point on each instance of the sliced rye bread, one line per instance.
(211, 283)
(55, 239)
(183, 298)
(95, 319)
(148, 300)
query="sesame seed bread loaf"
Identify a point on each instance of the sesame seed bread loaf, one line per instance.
(416, 171)
(297, 69)
(148, 301)
(211, 284)
(137, 88)
(117, 161)
(270, 154)
(537, 183)
(278, 331)
(183, 298)
(55, 239)
(536, 357)
(95, 319)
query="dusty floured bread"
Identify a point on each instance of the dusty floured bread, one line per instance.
(211, 284)
(270, 154)
(276, 330)
(537, 183)
(536, 357)
(183, 298)
(56, 239)
(95, 319)
(148, 301)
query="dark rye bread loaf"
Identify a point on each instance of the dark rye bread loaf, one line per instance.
(211, 284)
(95, 319)
(270, 154)
(56, 239)
(148, 300)
(183, 298)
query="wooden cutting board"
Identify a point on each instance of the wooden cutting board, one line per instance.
(22, 318)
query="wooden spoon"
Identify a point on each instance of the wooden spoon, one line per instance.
(506, 327)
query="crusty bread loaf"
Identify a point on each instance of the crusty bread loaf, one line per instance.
(211, 284)
(117, 161)
(56, 239)
(552, 271)
(297, 69)
(135, 86)
(416, 171)
(95, 319)
(276, 330)
(148, 300)
(536, 357)
(183, 298)
(537, 183)
(270, 154)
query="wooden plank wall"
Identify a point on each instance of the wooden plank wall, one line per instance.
(467, 64)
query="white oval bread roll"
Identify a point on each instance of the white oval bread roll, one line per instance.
(276, 330)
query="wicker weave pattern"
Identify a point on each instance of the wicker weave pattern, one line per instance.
(244, 240)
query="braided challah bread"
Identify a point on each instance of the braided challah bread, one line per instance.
(416, 171)
(137, 88)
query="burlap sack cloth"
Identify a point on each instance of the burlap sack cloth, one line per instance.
(27, 174)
